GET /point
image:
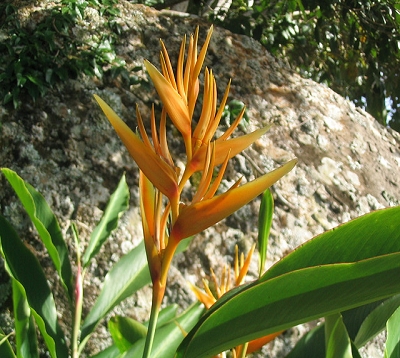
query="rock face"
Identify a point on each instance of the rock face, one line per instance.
(63, 145)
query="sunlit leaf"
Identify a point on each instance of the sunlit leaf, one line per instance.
(46, 224)
(338, 343)
(125, 331)
(25, 330)
(30, 275)
(117, 205)
(264, 226)
(393, 336)
(5, 346)
(127, 276)
(307, 284)
(169, 336)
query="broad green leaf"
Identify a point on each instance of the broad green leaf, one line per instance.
(354, 318)
(127, 276)
(354, 351)
(109, 352)
(365, 322)
(31, 276)
(375, 322)
(393, 336)
(312, 344)
(290, 299)
(166, 315)
(264, 226)
(125, 331)
(373, 234)
(5, 346)
(25, 330)
(169, 336)
(338, 343)
(117, 205)
(47, 226)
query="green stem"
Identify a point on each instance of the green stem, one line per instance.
(78, 313)
(151, 330)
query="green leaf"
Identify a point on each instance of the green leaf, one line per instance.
(373, 234)
(5, 346)
(338, 343)
(169, 336)
(127, 276)
(25, 330)
(354, 319)
(312, 344)
(166, 315)
(264, 226)
(109, 352)
(47, 226)
(393, 336)
(365, 322)
(30, 275)
(300, 293)
(117, 205)
(375, 322)
(291, 299)
(126, 331)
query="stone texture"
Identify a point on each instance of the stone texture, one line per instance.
(63, 145)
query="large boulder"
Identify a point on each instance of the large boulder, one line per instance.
(348, 164)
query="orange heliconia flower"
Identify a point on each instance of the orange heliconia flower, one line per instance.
(166, 220)
(208, 297)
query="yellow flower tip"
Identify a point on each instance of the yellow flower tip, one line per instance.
(205, 298)
(174, 104)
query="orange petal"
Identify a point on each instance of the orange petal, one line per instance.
(156, 170)
(258, 343)
(223, 148)
(172, 101)
(198, 217)
(147, 201)
(206, 299)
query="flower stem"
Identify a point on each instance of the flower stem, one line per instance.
(78, 312)
(158, 294)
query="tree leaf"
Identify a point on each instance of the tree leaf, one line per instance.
(290, 299)
(127, 276)
(117, 205)
(30, 275)
(25, 330)
(264, 226)
(393, 336)
(47, 226)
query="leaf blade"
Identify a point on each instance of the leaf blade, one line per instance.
(117, 205)
(299, 296)
(127, 276)
(32, 278)
(46, 224)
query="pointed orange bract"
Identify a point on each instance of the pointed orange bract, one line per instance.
(199, 216)
(159, 173)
